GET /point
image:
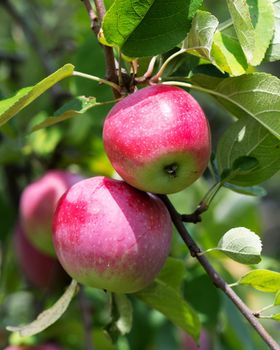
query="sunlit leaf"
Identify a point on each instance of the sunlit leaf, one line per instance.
(200, 37)
(241, 245)
(228, 55)
(273, 52)
(240, 14)
(12, 105)
(276, 317)
(263, 280)
(49, 316)
(77, 106)
(256, 95)
(254, 26)
(252, 153)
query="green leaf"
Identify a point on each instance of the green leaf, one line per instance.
(200, 37)
(124, 308)
(263, 20)
(77, 106)
(122, 19)
(256, 95)
(273, 51)
(257, 191)
(145, 28)
(49, 316)
(252, 153)
(277, 298)
(168, 301)
(172, 273)
(12, 105)
(263, 280)
(241, 245)
(275, 317)
(240, 14)
(228, 55)
(254, 26)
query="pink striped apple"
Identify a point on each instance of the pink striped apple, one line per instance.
(109, 235)
(37, 206)
(158, 139)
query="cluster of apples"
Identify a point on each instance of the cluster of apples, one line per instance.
(114, 234)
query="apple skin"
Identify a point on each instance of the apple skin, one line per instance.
(158, 139)
(109, 235)
(37, 206)
(41, 270)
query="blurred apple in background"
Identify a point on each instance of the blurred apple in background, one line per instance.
(38, 203)
(41, 270)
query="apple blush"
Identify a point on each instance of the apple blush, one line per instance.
(158, 139)
(109, 235)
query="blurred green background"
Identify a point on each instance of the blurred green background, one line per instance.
(36, 38)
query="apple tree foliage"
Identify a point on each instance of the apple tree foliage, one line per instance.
(56, 90)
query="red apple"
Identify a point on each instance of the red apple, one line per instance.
(111, 236)
(37, 206)
(41, 270)
(158, 139)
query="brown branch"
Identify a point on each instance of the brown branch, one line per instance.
(96, 20)
(215, 277)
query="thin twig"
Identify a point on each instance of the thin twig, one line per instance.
(215, 277)
(87, 318)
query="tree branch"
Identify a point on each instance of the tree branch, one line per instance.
(215, 277)
(96, 20)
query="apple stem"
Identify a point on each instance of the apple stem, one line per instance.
(214, 275)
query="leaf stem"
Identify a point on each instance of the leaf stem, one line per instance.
(99, 80)
(226, 24)
(157, 77)
(215, 277)
(265, 308)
